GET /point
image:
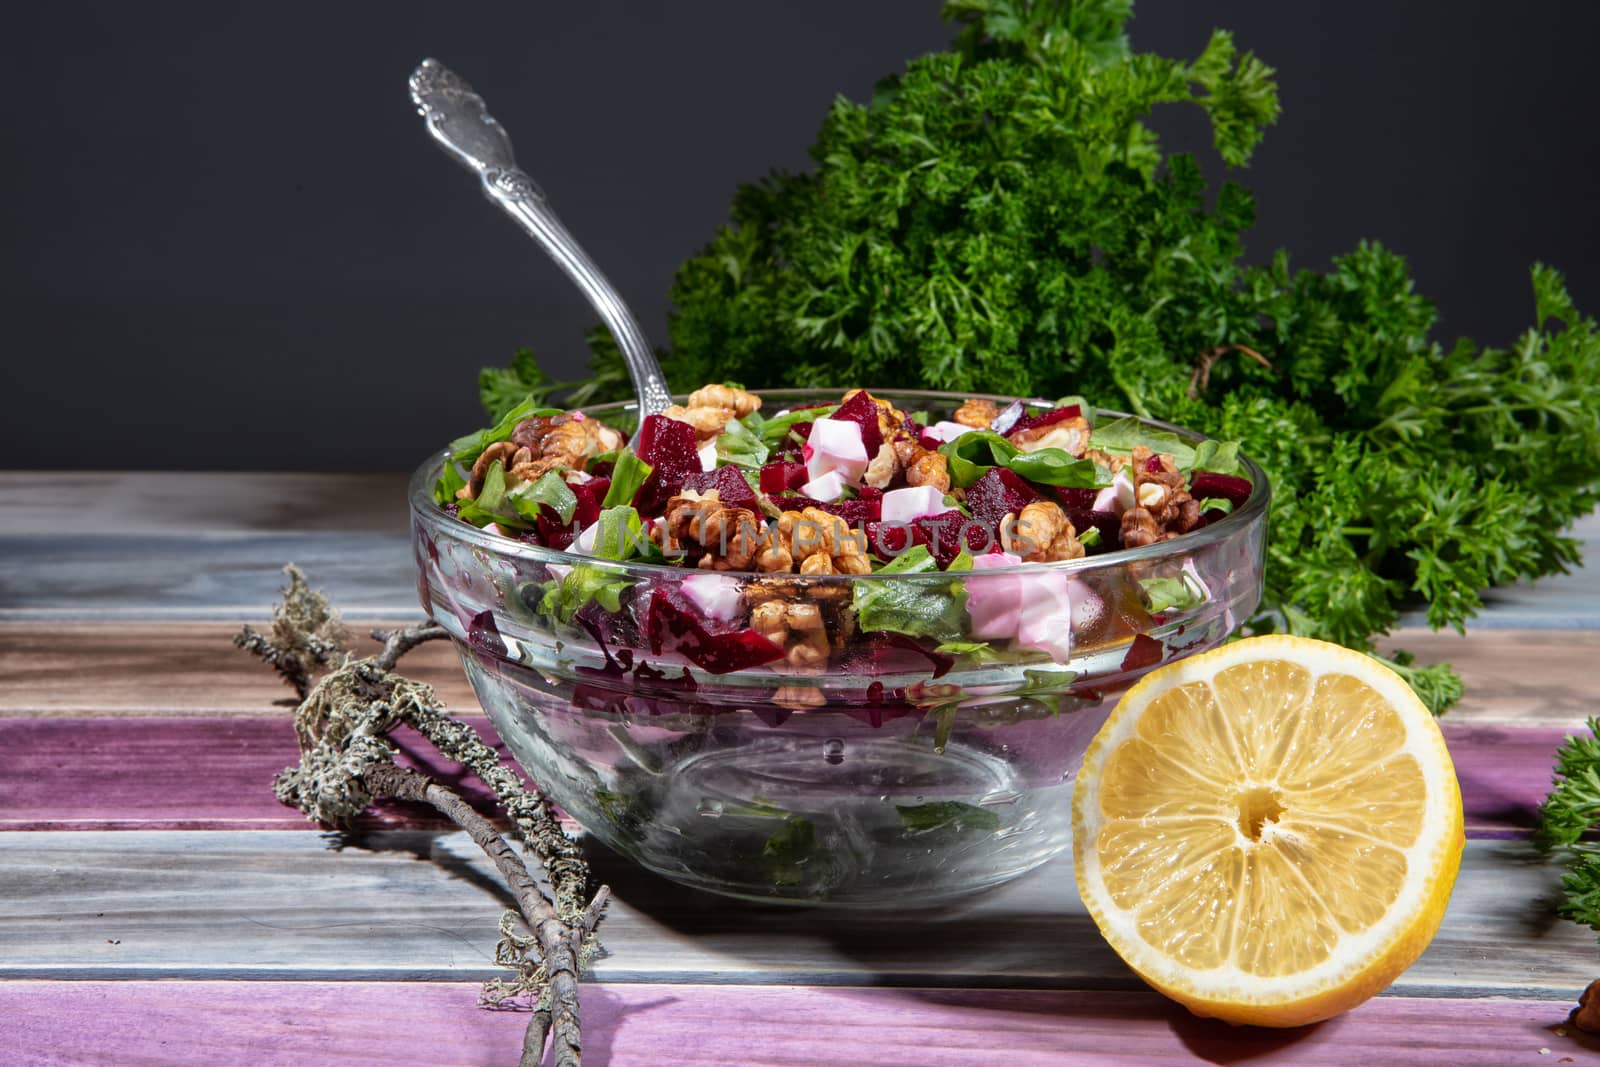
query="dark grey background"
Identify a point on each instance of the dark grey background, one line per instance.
(229, 243)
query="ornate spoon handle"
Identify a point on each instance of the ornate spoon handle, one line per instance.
(459, 121)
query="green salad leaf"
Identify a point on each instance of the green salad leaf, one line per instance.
(1170, 594)
(464, 450)
(931, 608)
(626, 478)
(946, 815)
(550, 490)
(740, 445)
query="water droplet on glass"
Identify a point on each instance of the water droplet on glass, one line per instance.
(833, 751)
(710, 808)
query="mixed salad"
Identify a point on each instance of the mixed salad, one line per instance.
(747, 501)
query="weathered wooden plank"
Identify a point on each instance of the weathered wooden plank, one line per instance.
(197, 773)
(353, 1022)
(166, 773)
(209, 576)
(174, 668)
(123, 503)
(279, 905)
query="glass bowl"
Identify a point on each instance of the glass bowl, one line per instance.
(890, 776)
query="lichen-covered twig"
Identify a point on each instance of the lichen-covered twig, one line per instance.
(347, 761)
(306, 634)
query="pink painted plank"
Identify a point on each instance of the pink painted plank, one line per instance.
(266, 1023)
(197, 773)
(179, 773)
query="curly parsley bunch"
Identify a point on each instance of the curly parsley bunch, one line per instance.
(999, 218)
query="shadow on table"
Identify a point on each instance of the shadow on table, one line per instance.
(1015, 936)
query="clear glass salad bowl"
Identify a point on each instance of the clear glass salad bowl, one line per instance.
(900, 773)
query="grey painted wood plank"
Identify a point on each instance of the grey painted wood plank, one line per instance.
(126, 503)
(295, 1023)
(284, 905)
(209, 576)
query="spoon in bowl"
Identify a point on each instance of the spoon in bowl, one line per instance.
(459, 121)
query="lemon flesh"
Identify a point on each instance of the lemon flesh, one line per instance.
(1268, 832)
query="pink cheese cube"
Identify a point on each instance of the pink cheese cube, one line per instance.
(903, 505)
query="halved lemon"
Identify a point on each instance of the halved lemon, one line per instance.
(1268, 832)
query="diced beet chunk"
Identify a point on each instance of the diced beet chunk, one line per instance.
(948, 532)
(1145, 651)
(1109, 523)
(1205, 486)
(856, 512)
(731, 486)
(552, 532)
(669, 446)
(1046, 418)
(998, 493)
(862, 410)
(782, 477)
(673, 625)
(591, 494)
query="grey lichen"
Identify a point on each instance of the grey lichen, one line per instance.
(347, 762)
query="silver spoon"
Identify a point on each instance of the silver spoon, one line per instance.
(459, 121)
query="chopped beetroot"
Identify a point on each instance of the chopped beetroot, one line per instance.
(890, 539)
(731, 486)
(553, 533)
(1109, 523)
(1008, 418)
(1211, 515)
(1046, 418)
(483, 633)
(1000, 492)
(862, 410)
(782, 477)
(591, 494)
(669, 446)
(1153, 465)
(857, 512)
(948, 532)
(1205, 485)
(674, 626)
(941, 661)
(602, 469)
(1145, 651)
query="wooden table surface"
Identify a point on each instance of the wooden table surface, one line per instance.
(157, 905)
